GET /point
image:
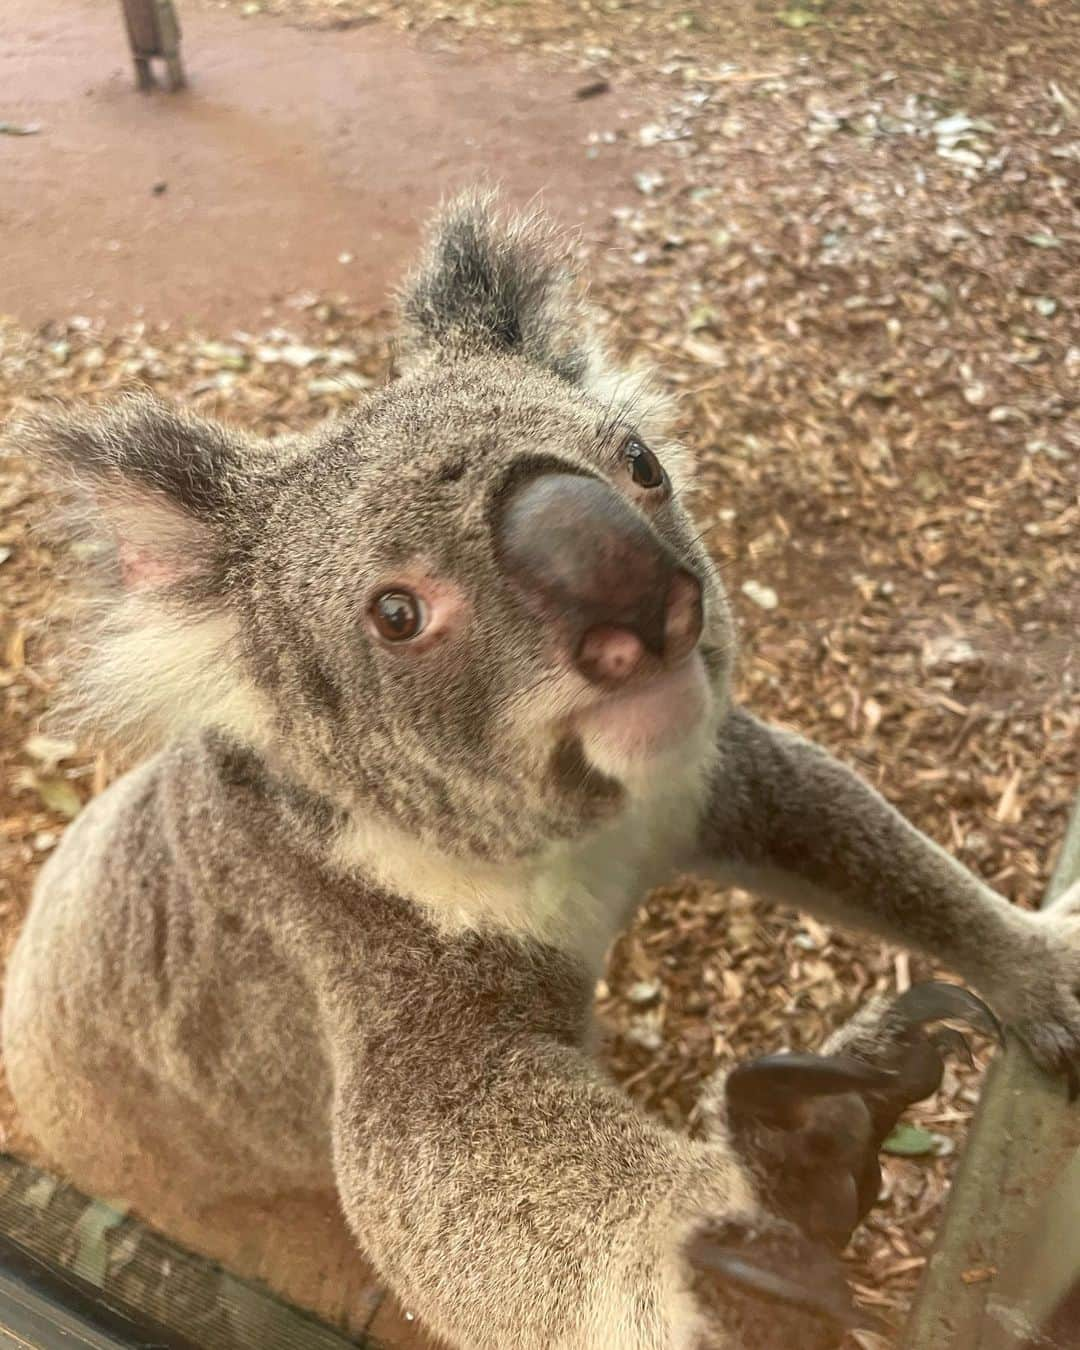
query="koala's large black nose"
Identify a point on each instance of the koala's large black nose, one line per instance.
(593, 565)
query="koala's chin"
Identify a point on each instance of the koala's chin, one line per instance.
(626, 733)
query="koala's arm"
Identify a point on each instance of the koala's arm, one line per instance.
(511, 1196)
(787, 818)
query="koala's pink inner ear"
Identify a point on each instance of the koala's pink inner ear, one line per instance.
(140, 568)
(156, 543)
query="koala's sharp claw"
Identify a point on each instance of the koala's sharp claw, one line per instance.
(1072, 1078)
(777, 1085)
(792, 1272)
(934, 1000)
(812, 1125)
(947, 1040)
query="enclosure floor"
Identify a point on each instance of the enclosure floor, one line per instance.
(299, 160)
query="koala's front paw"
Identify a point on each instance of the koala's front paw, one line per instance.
(1039, 999)
(811, 1126)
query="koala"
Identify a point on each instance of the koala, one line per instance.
(430, 697)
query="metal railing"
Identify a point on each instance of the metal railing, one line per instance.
(76, 1272)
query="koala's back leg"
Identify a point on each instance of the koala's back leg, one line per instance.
(124, 1138)
(81, 1086)
(132, 1047)
(105, 1115)
(110, 1127)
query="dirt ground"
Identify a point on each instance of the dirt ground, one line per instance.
(847, 235)
(300, 159)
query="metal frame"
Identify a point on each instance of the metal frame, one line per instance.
(74, 1272)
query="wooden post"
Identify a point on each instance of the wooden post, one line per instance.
(154, 34)
(1005, 1269)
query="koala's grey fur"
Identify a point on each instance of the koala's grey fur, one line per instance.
(342, 931)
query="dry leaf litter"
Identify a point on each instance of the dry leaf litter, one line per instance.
(851, 248)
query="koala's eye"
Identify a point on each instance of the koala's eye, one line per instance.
(645, 469)
(398, 615)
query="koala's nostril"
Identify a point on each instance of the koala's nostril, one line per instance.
(609, 655)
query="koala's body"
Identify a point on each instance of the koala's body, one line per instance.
(443, 687)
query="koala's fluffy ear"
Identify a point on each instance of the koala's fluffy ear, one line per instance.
(159, 502)
(151, 486)
(491, 283)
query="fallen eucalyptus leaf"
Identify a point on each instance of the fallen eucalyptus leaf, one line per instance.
(908, 1141)
(644, 1035)
(953, 126)
(797, 18)
(50, 750)
(298, 356)
(644, 991)
(224, 354)
(705, 350)
(58, 795)
(40, 1194)
(763, 596)
(958, 155)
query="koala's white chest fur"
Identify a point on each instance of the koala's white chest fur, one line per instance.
(575, 895)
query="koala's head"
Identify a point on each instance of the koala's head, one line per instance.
(474, 609)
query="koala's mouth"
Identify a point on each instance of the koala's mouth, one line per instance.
(651, 718)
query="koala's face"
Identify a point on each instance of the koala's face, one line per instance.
(492, 614)
(475, 610)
